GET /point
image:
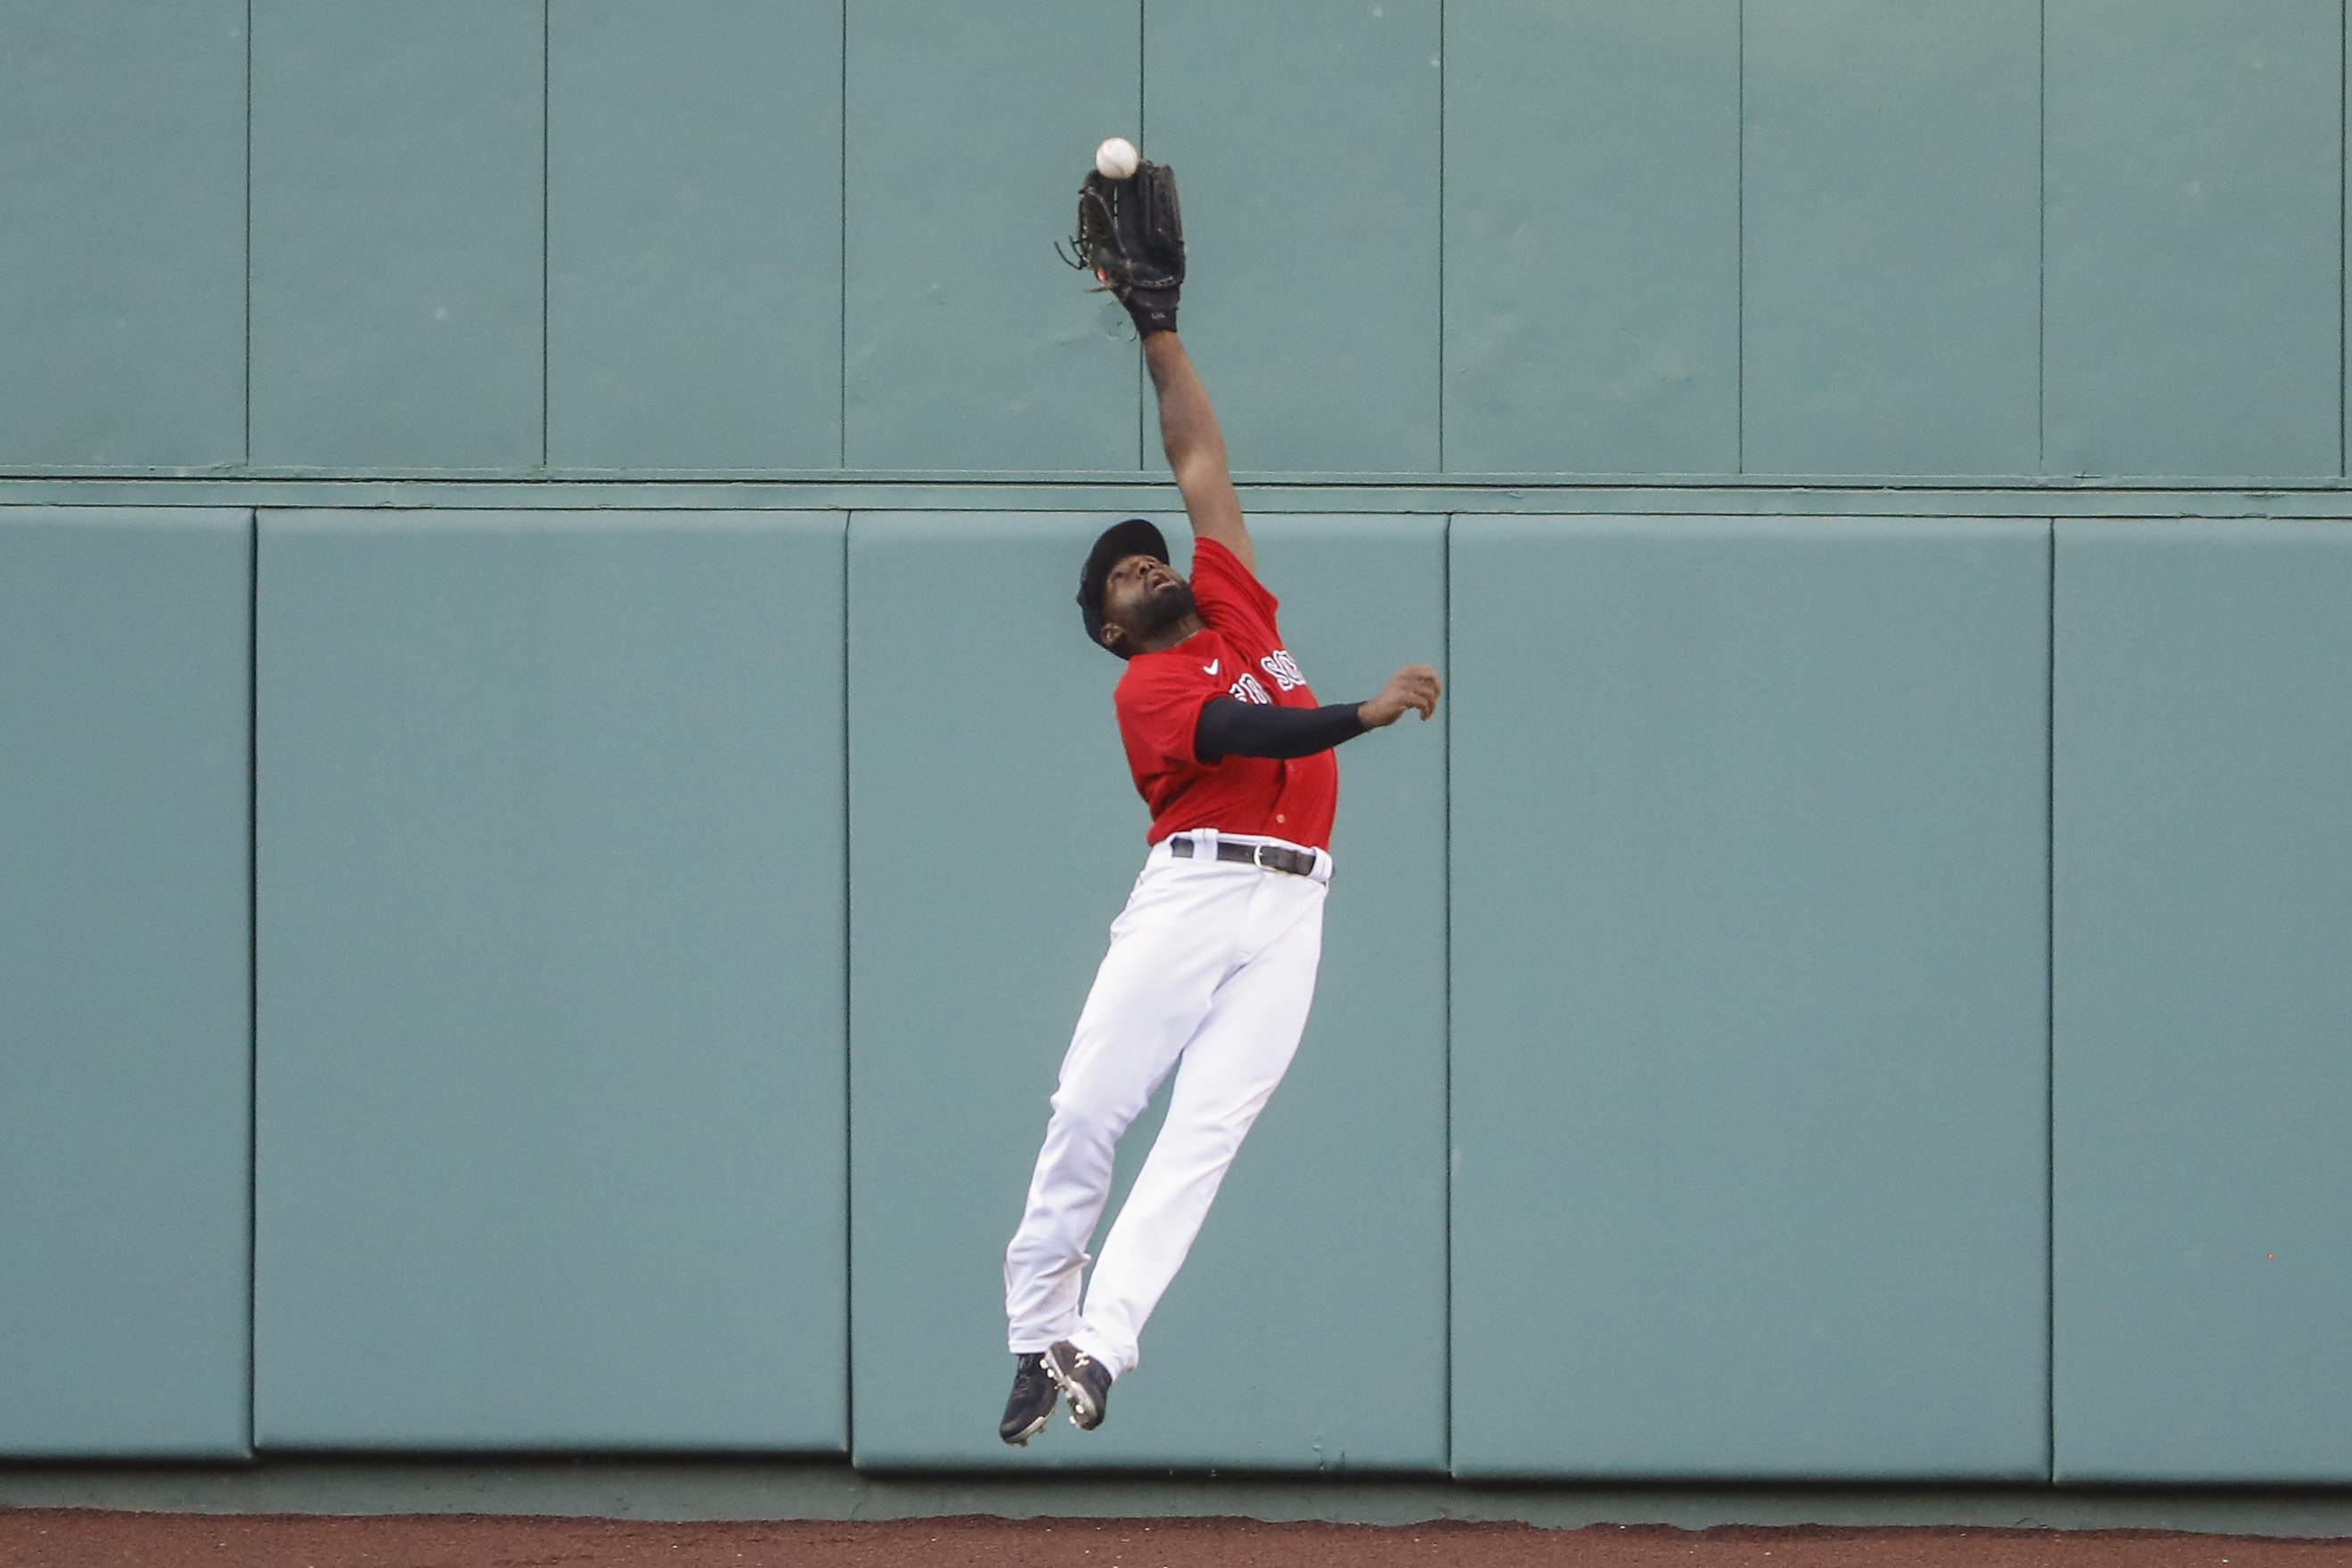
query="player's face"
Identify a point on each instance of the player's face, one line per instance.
(1143, 594)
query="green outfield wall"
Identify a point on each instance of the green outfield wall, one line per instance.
(555, 814)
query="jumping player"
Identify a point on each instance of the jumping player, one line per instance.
(1212, 965)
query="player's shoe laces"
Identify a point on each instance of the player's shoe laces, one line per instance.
(1031, 1405)
(1085, 1380)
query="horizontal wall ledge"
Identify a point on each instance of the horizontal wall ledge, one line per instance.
(1260, 493)
(628, 1487)
(1156, 473)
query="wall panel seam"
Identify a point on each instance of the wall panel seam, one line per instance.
(1444, 65)
(841, 422)
(252, 960)
(1740, 250)
(1142, 139)
(546, 220)
(848, 1017)
(247, 460)
(1445, 773)
(2050, 1007)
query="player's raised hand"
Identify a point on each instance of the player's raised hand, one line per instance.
(1415, 686)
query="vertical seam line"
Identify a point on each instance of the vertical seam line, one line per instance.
(1739, 281)
(546, 222)
(1442, 63)
(2343, 196)
(1445, 1151)
(841, 427)
(252, 965)
(2042, 253)
(848, 1056)
(249, 235)
(1142, 139)
(2049, 1008)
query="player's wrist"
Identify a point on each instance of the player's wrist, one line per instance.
(1153, 311)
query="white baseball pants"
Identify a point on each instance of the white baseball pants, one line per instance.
(1210, 972)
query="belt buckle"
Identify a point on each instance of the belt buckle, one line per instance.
(1257, 857)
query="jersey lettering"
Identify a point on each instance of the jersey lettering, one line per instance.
(1237, 656)
(1282, 667)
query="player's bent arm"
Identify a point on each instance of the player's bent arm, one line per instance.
(1229, 727)
(1196, 448)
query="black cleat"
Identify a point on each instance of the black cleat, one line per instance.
(1031, 1405)
(1083, 1379)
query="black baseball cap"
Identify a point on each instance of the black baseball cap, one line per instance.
(1136, 536)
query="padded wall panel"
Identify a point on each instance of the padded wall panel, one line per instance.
(125, 1044)
(1332, 365)
(2203, 1008)
(398, 244)
(693, 235)
(1749, 1048)
(1592, 236)
(967, 345)
(2195, 261)
(1891, 309)
(122, 249)
(994, 842)
(550, 998)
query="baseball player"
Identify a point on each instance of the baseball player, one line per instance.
(1212, 965)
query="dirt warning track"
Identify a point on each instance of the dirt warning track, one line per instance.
(83, 1538)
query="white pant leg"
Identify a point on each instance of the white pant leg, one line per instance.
(1230, 1068)
(1170, 949)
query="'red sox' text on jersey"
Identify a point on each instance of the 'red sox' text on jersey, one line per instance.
(1240, 654)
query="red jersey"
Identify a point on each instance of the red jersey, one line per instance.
(1239, 655)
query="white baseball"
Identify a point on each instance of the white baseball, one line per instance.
(1116, 158)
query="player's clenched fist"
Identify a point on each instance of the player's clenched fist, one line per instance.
(1415, 686)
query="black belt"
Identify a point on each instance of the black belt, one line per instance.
(1273, 857)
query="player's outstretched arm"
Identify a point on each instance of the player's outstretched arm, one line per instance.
(1196, 448)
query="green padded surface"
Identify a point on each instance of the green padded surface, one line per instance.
(2194, 252)
(123, 250)
(967, 344)
(1287, 122)
(550, 998)
(1891, 247)
(1592, 236)
(125, 1039)
(995, 834)
(2203, 1009)
(693, 235)
(1750, 1047)
(398, 242)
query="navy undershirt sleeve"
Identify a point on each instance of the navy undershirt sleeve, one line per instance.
(1229, 727)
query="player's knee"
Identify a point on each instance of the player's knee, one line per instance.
(1222, 1135)
(1082, 1113)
